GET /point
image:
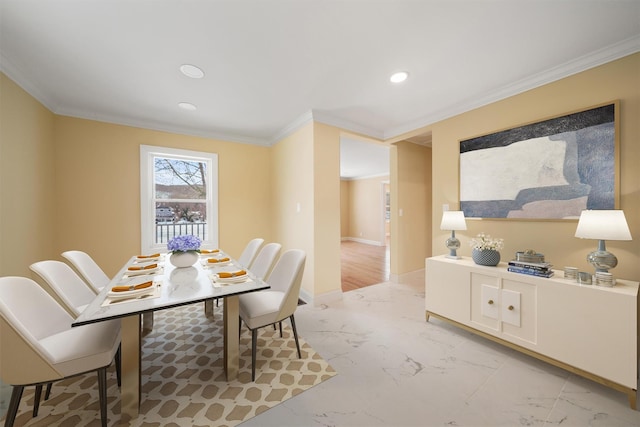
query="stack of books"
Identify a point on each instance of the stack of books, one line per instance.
(528, 263)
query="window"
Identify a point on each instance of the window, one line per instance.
(179, 195)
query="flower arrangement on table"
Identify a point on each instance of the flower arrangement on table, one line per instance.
(485, 242)
(184, 250)
(184, 243)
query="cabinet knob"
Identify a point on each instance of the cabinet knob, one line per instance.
(511, 308)
(490, 301)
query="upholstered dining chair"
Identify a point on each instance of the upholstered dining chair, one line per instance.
(263, 263)
(88, 269)
(39, 346)
(69, 288)
(271, 306)
(249, 252)
(71, 292)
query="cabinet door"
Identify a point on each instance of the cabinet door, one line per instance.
(510, 307)
(521, 321)
(485, 301)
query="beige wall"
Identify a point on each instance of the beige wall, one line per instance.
(326, 221)
(618, 80)
(365, 216)
(292, 171)
(99, 162)
(27, 180)
(345, 196)
(411, 194)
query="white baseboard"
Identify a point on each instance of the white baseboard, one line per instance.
(318, 300)
(365, 241)
(400, 278)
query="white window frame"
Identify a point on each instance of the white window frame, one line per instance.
(148, 199)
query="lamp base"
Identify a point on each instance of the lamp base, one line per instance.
(453, 244)
(602, 260)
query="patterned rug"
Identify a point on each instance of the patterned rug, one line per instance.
(183, 378)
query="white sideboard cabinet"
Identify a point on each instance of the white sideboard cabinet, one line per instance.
(588, 330)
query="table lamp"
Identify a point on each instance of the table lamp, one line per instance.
(453, 220)
(603, 225)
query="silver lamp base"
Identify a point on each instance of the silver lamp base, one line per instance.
(453, 244)
(601, 259)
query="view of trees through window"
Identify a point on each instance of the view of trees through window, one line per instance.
(180, 191)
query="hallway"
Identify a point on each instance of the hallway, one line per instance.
(363, 264)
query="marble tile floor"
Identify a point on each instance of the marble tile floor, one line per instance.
(396, 369)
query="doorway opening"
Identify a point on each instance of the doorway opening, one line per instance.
(365, 213)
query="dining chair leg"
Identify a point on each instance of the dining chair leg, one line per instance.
(14, 403)
(102, 393)
(118, 359)
(48, 392)
(280, 323)
(254, 339)
(36, 400)
(295, 335)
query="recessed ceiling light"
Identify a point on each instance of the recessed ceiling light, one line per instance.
(399, 77)
(187, 106)
(191, 71)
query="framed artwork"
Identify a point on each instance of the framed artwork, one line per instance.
(548, 170)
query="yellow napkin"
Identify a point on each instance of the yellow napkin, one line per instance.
(207, 251)
(148, 256)
(131, 288)
(228, 274)
(214, 260)
(146, 267)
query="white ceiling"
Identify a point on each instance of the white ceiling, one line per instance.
(360, 159)
(271, 65)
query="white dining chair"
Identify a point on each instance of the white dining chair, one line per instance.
(39, 346)
(264, 261)
(88, 269)
(64, 285)
(249, 252)
(271, 306)
(245, 260)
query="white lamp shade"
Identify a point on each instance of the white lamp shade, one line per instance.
(603, 225)
(453, 220)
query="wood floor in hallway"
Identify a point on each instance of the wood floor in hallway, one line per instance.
(363, 264)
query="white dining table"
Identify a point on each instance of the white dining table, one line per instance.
(171, 287)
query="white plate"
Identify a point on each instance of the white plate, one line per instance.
(130, 294)
(235, 279)
(141, 272)
(216, 264)
(210, 255)
(143, 260)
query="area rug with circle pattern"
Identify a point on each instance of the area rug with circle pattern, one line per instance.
(183, 378)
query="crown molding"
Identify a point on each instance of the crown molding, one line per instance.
(291, 128)
(328, 119)
(161, 127)
(602, 56)
(359, 177)
(16, 75)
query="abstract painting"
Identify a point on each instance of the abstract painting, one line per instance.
(552, 169)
